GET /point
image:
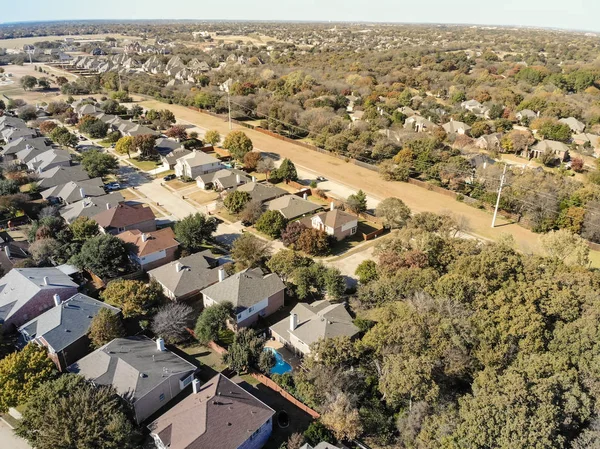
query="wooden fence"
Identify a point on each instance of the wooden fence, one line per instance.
(273, 386)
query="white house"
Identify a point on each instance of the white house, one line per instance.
(196, 164)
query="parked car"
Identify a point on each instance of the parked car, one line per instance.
(321, 178)
(81, 138)
(113, 186)
(169, 177)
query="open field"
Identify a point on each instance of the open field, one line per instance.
(19, 42)
(34, 96)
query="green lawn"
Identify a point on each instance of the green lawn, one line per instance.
(205, 356)
(144, 165)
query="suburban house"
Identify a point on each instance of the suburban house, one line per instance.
(224, 179)
(25, 293)
(456, 127)
(131, 129)
(85, 109)
(195, 164)
(587, 140)
(10, 150)
(61, 175)
(476, 108)
(12, 251)
(6, 121)
(419, 124)
(526, 114)
(166, 146)
(151, 249)
(185, 278)
(170, 159)
(142, 371)
(490, 142)
(73, 191)
(90, 206)
(49, 159)
(11, 134)
(321, 445)
(217, 415)
(309, 323)
(252, 293)
(334, 222)
(262, 192)
(124, 217)
(63, 329)
(291, 206)
(575, 125)
(559, 149)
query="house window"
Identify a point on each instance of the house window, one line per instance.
(250, 309)
(239, 316)
(353, 230)
(161, 397)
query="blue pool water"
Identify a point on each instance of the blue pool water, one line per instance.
(281, 366)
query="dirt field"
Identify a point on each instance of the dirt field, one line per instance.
(18, 43)
(35, 96)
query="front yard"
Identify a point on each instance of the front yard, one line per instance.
(144, 165)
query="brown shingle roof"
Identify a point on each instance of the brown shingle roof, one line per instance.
(155, 241)
(222, 415)
(124, 215)
(336, 218)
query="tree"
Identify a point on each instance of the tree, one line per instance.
(28, 82)
(172, 322)
(517, 141)
(366, 271)
(27, 113)
(295, 441)
(271, 223)
(176, 132)
(136, 110)
(565, 246)
(2, 105)
(21, 373)
(62, 136)
(104, 255)
(125, 145)
(317, 432)
(266, 166)
(98, 164)
(194, 230)
(212, 137)
(287, 171)
(246, 351)
(134, 298)
(292, 232)
(236, 201)
(61, 81)
(105, 327)
(84, 228)
(251, 212)
(314, 242)
(72, 413)
(577, 164)
(238, 143)
(43, 250)
(251, 160)
(8, 187)
(342, 418)
(212, 321)
(286, 262)
(394, 213)
(357, 202)
(145, 144)
(248, 251)
(47, 126)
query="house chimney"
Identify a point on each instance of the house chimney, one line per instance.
(221, 274)
(46, 280)
(7, 251)
(178, 267)
(160, 344)
(196, 386)
(293, 321)
(254, 179)
(305, 195)
(107, 206)
(56, 300)
(331, 206)
(238, 179)
(144, 237)
(82, 192)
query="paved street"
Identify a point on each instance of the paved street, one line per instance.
(8, 440)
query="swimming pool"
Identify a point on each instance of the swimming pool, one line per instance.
(281, 366)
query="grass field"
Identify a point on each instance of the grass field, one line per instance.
(144, 165)
(19, 42)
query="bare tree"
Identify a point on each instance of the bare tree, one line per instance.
(172, 321)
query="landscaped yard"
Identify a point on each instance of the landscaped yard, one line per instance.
(203, 196)
(178, 184)
(144, 165)
(364, 227)
(205, 356)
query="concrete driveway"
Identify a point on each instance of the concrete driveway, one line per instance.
(9, 440)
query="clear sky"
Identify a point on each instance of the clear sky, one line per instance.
(570, 14)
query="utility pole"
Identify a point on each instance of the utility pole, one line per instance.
(499, 193)
(225, 87)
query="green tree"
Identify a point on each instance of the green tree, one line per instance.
(287, 171)
(105, 327)
(236, 201)
(212, 321)
(104, 255)
(145, 144)
(134, 298)
(249, 251)
(28, 82)
(317, 432)
(366, 271)
(125, 145)
(84, 228)
(357, 202)
(393, 212)
(8, 187)
(212, 137)
(565, 246)
(71, 413)
(98, 164)
(286, 262)
(246, 351)
(21, 373)
(271, 223)
(62, 136)
(238, 143)
(195, 230)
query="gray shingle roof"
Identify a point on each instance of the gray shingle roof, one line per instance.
(133, 365)
(222, 415)
(245, 289)
(61, 175)
(66, 323)
(291, 206)
(197, 271)
(262, 192)
(71, 191)
(318, 320)
(90, 206)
